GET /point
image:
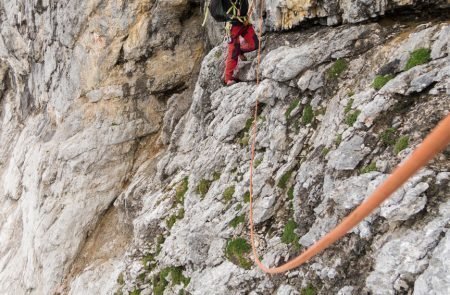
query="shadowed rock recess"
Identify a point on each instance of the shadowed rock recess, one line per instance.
(124, 162)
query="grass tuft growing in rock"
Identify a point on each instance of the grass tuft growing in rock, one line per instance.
(216, 176)
(290, 193)
(282, 183)
(228, 193)
(369, 168)
(349, 105)
(401, 144)
(148, 261)
(380, 81)
(246, 197)
(172, 219)
(235, 251)
(160, 281)
(258, 162)
(351, 117)
(338, 139)
(310, 290)
(418, 57)
(181, 190)
(292, 107)
(203, 187)
(337, 69)
(289, 236)
(237, 220)
(308, 115)
(388, 136)
(120, 279)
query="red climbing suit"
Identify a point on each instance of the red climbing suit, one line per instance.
(249, 43)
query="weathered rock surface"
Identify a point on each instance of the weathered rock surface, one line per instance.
(124, 163)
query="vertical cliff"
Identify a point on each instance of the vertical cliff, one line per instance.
(124, 161)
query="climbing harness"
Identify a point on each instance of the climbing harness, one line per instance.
(433, 144)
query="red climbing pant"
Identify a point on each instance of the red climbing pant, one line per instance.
(235, 48)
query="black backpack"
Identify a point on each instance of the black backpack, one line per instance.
(217, 10)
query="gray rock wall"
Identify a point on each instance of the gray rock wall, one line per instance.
(124, 162)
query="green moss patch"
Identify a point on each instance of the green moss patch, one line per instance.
(228, 193)
(235, 251)
(418, 57)
(401, 144)
(337, 68)
(380, 81)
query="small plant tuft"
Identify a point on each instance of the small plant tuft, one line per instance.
(181, 190)
(216, 176)
(228, 193)
(246, 197)
(338, 139)
(401, 144)
(325, 151)
(203, 187)
(349, 105)
(351, 117)
(258, 162)
(290, 193)
(172, 219)
(292, 107)
(237, 220)
(282, 183)
(380, 81)
(289, 236)
(418, 57)
(248, 124)
(120, 279)
(308, 115)
(160, 281)
(369, 168)
(235, 251)
(148, 261)
(337, 69)
(310, 290)
(388, 136)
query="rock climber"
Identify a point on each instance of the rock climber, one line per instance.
(237, 26)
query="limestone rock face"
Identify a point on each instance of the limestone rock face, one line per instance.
(285, 14)
(124, 162)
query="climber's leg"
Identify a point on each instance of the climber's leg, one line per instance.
(234, 50)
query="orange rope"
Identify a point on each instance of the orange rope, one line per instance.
(433, 144)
